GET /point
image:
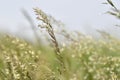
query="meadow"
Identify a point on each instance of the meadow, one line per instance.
(67, 56)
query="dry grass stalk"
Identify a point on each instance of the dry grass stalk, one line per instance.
(115, 11)
(47, 25)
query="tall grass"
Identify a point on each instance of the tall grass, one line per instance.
(81, 57)
(87, 59)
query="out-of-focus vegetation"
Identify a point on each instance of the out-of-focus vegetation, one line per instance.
(87, 59)
(79, 57)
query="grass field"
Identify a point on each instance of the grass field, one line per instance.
(67, 56)
(87, 59)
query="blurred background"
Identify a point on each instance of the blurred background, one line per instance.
(83, 15)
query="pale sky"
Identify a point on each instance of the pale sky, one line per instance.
(83, 15)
